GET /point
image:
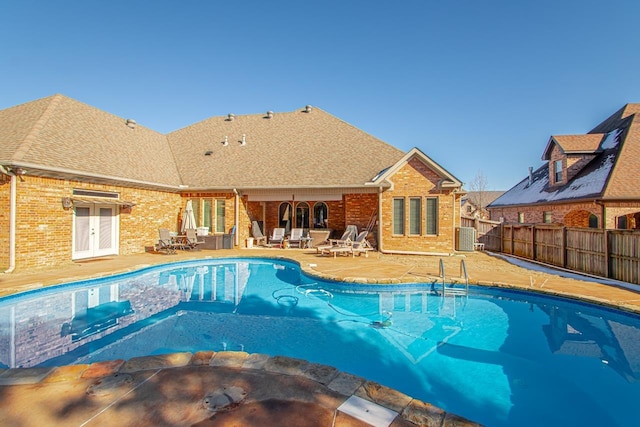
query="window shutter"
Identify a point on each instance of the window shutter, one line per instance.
(432, 216)
(398, 216)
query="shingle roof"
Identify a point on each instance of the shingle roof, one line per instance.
(62, 134)
(295, 149)
(292, 149)
(614, 173)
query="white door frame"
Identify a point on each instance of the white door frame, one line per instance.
(95, 230)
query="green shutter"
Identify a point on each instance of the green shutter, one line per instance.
(220, 216)
(398, 216)
(206, 214)
(432, 216)
(414, 216)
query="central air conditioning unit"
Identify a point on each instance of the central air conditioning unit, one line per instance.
(465, 238)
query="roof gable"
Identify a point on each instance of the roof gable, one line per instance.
(574, 144)
(447, 179)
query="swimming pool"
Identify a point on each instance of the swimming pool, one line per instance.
(498, 357)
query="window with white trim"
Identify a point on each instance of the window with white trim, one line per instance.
(558, 171)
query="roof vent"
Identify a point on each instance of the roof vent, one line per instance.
(269, 114)
(131, 123)
(308, 109)
(530, 176)
(230, 117)
(244, 140)
(226, 141)
(208, 153)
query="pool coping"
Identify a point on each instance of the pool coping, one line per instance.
(329, 381)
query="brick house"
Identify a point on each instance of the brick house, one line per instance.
(590, 180)
(475, 203)
(77, 182)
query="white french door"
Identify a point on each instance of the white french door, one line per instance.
(95, 231)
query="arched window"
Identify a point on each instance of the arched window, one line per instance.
(320, 215)
(302, 215)
(593, 221)
(284, 216)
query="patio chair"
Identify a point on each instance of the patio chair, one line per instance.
(277, 236)
(165, 242)
(359, 245)
(256, 233)
(295, 237)
(191, 240)
(349, 234)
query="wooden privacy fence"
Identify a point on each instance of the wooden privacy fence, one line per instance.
(487, 232)
(613, 254)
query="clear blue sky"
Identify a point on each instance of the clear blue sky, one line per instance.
(478, 85)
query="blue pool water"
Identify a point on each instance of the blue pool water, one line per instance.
(502, 358)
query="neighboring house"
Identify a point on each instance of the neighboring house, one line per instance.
(77, 182)
(475, 203)
(590, 180)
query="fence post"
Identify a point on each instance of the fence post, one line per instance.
(563, 248)
(607, 272)
(533, 242)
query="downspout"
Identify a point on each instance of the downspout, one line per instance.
(453, 231)
(236, 216)
(12, 220)
(380, 246)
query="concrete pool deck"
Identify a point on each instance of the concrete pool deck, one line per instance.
(236, 388)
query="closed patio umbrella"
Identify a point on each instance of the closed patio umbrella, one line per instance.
(188, 218)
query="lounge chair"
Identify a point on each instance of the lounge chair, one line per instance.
(256, 233)
(191, 240)
(359, 245)
(165, 242)
(295, 237)
(277, 236)
(349, 234)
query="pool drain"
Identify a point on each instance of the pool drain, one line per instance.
(224, 398)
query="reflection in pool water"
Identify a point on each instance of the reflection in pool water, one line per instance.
(497, 357)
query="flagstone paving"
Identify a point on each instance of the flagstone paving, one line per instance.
(237, 388)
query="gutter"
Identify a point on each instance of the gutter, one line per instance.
(12, 220)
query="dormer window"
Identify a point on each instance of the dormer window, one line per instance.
(557, 166)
